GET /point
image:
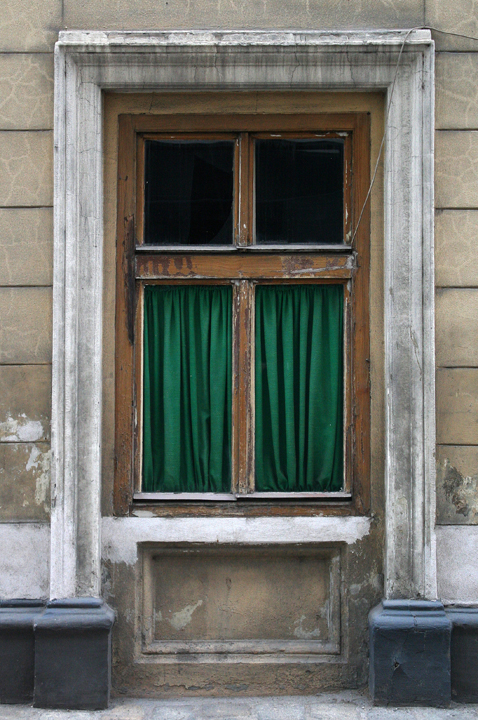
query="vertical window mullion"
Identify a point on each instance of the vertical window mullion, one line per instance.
(349, 218)
(243, 170)
(140, 151)
(243, 387)
(236, 304)
(348, 375)
(138, 390)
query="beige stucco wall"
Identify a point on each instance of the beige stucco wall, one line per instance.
(28, 30)
(457, 280)
(26, 225)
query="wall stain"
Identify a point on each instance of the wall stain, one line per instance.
(302, 633)
(183, 617)
(20, 429)
(41, 461)
(460, 493)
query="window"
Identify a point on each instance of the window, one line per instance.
(242, 312)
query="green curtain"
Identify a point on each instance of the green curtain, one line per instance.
(187, 389)
(299, 388)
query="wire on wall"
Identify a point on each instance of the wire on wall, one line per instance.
(387, 111)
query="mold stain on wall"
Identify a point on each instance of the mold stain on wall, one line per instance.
(181, 618)
(20, 429)
(457, 495)
(41, 462)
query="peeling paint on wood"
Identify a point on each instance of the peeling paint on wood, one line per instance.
(245, 264)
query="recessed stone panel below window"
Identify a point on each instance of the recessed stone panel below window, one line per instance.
(239, 600)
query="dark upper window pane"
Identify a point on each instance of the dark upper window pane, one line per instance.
(299, 191)
(188, 192)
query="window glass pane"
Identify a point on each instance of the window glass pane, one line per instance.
(188, 194)
(299, 191)
(187, 389)
(299, 388)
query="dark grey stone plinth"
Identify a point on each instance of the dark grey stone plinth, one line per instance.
(464, 654)
(410, 653)
(73, 655)
(17, 649)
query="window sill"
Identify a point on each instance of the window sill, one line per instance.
(234, 497)
(263, 247)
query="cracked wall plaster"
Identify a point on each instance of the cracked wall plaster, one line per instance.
(460, 16)
(457, 406)
(26, 246)
(25, 325)
(24, 560)
(26, 168)
(456, 249)
(217, 14)
(26, 92)
(456, 169)
(456, 323)
(456, 91)
(29, 26)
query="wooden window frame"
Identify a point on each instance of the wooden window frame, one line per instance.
(243, 265)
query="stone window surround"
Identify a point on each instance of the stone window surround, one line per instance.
(87, 63)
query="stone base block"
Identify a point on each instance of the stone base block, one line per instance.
(17, 649)
(73, 655)
(410, 653)
(464, 654)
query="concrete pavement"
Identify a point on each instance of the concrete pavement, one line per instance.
(337, 706)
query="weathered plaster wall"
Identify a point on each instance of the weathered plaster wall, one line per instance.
(456, 228)
(24, 560)
(457, 550)
(247, 14)
(27, 35)
(456, 268)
